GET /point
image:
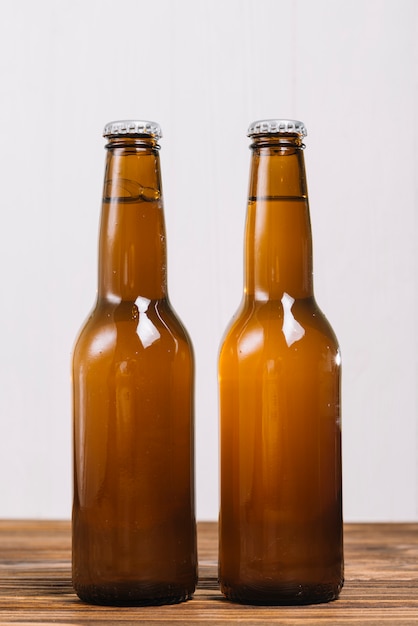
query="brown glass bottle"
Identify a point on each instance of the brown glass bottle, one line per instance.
(134, 534)
(281, 536)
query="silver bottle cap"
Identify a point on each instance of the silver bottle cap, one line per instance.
(132, 127)
(277, 127)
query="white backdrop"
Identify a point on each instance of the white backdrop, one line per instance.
(205, 70)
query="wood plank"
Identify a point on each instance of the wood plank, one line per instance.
(381, 583)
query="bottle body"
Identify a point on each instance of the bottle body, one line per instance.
(134, 535)
(279, 394)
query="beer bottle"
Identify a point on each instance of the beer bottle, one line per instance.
(134, 533)
(279, 386)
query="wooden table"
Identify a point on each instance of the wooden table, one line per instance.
(381, 583)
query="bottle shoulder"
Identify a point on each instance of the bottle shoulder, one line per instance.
(132, 327)
(285, 324)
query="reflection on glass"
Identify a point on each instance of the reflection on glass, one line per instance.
(103, 341)
(292, 330)
(251, 341)
(146, 330)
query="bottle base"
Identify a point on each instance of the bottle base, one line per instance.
(120, 595)
(282, 595)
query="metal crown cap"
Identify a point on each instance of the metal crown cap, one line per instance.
(277, 127)
(132, 127)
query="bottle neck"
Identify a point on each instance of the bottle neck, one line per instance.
(278, 242)
(132, 245)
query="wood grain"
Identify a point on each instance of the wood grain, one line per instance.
(381, 583)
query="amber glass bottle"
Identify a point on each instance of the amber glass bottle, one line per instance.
(279, 383)
(134, 535)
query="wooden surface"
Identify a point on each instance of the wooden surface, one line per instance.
(381, 583)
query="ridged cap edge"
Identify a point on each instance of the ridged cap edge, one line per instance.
(132, 127)
(277, 127)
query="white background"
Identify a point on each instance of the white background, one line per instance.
(205, 70)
